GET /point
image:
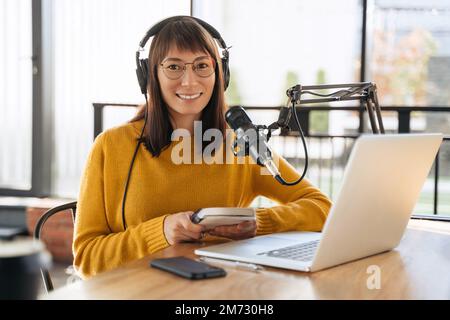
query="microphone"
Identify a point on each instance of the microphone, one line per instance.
(255, 141)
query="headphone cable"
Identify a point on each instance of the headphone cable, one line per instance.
(132, 162)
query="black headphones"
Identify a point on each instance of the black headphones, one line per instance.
(142, 68)
(142, 72)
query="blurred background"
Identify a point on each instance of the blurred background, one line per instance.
(67, 71)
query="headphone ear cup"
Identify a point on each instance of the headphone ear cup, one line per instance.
(142, 75)
(146, 69)
(226, 72)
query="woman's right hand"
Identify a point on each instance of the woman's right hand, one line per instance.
(178, 227)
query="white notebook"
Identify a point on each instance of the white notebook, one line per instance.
(212, 217)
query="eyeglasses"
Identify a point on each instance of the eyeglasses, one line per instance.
(175, 68)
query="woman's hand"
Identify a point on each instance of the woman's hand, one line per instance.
(178, 227)
(243, 230)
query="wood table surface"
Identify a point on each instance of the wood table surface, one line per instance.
(419, 268)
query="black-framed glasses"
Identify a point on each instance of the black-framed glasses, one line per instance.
(175, 68)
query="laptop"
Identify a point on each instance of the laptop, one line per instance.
(381, 184)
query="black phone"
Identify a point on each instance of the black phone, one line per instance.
(188, 268)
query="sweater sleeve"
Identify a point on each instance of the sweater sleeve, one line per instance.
(96, 247)
(302, 207)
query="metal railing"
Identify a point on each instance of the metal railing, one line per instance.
(304, 112)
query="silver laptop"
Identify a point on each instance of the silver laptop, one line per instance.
(381, 184)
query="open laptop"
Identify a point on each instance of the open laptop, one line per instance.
(381, 184)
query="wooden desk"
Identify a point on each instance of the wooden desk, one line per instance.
(419, 268)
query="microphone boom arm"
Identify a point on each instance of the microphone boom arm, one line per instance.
(366, 92)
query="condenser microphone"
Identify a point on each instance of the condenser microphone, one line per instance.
(251, 139)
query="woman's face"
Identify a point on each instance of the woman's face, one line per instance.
(188, 95)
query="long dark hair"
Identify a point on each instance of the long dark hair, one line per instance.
(186, 34)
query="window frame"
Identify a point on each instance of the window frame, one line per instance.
(41, 122)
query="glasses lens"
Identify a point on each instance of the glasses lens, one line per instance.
(204, 67)
(173, 70)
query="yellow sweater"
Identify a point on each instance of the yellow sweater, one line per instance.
(158, 187)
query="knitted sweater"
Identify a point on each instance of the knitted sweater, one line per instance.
(160, 187)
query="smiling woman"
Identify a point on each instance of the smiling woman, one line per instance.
(184, 79)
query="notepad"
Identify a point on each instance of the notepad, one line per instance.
(213, 217)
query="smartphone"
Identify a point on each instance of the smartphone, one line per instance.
(188, 268)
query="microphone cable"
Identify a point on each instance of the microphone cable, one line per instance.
(278, 177)
(132, 162)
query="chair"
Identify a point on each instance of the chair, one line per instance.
(37, 235)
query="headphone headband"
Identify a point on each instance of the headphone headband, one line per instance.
(142, 67)
(158, 26)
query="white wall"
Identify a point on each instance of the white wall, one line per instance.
(94, 44)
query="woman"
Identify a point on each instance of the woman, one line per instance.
(185, 85)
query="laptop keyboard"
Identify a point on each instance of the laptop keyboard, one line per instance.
(299, 252)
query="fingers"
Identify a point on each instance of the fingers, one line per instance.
(246, 226)
(187, 230)
(236, 228)
(182, 235)
(189, 236)
(243, 230)
(192, 227)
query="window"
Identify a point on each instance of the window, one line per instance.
(278, 44)
(94, 43)
(410, 62)
(410, 52)
(16, 77)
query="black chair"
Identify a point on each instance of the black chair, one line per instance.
(37, 234)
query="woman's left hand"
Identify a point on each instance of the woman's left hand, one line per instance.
(243, 230)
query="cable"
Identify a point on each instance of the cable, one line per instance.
(325, 95)
(278, 177)
(132, 162)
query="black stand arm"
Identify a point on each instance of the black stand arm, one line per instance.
(366, 92)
